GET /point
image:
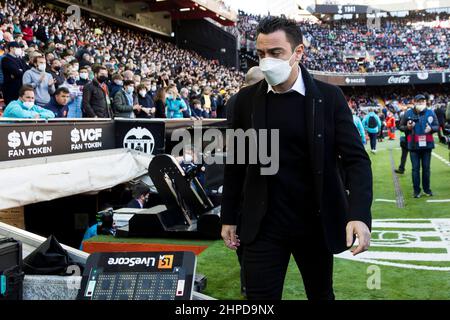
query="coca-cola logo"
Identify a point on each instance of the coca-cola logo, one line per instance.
(397, 80)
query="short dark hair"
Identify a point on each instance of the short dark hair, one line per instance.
(270, 25)
(24, 89)
(63, 90)
(98, 68)
(128, 82)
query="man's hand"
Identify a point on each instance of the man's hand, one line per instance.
(230, 237)
(51, 82)
(411, 125)
(362, 232)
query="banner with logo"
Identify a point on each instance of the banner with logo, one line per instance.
(140, 135)
(24, 140)
(383, 79)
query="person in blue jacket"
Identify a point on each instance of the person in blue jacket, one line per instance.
(360, 127)
(419, 124)
(372, 124)
(59, 103)
(24, 107)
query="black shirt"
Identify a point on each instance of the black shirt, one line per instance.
(291, 189)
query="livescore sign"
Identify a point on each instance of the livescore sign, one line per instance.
(24, 141)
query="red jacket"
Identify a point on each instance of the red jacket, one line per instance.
(28, 34)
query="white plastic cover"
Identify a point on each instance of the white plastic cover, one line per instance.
(51, 178)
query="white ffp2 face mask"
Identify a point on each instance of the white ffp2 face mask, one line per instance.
(276, 71)
(420, 107)
(28, 104)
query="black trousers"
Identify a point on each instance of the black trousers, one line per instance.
(265, 262)
(404, 146)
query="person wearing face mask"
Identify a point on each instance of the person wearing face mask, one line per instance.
(55, 71)
(76, 94)
(174, 105)
(116, 84)
(146, 102)
(297, 204)
(25, 108)
(96, 98)
(419, 124)
(40, 80)
(84, 78)
(125, 102)
(13, 67)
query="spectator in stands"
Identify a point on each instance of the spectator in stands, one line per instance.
(175, 106)
(76, 94)
(160, 103)
(59, 103)
(96, 100)
(419, 124)
(84, 77)
(55, 71)
(125, 102)
(197, 111)
(372, 124)
(184, 92)
(28, 33)
(42, 81)
(25, 108)
(85, 60)
(208, 102)
(13, 67)
(116, 84)
(146, 102)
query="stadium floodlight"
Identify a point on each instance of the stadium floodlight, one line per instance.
(202, 8)
(185, 9)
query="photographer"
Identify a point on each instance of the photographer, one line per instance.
(419, 124)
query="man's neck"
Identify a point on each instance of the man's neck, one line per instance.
(289, 83)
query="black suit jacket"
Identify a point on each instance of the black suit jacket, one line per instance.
(335, 149)
(13, 70)
(133, 204)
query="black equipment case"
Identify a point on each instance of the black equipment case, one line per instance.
(11, 274)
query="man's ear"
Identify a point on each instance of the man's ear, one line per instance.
(299, 51)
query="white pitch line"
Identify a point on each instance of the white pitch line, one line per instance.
(385, 200)
(377, 224)
(437, 201)
(407, 256)
(416, 244)
(441, 158)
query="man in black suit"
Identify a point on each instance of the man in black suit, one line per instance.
(14, 66)
(305, 208)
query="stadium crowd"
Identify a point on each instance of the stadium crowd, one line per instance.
(106, 70)
(400, 44)
(103, 70)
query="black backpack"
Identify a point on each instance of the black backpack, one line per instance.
(372, 122)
